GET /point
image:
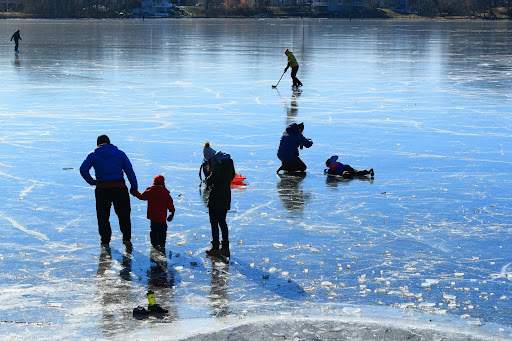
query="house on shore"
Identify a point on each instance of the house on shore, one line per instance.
(14, 6)
(159, 8)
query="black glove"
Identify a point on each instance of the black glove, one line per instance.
(285, 69)
(170, 217)
(134, 191)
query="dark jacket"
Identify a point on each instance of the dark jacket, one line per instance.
(16, 36)
(223, 171)
(159, 200)
(291, 140)
(109, 164)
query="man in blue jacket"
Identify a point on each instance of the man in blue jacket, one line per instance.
(109, 164)
(288, 152)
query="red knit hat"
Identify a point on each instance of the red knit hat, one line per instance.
(159, 180)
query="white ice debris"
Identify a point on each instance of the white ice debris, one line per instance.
(351, 311)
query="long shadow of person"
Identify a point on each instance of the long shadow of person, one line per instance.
(291, 193)
(218, 288)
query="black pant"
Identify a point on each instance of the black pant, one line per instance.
(218, 219)
(158, 233)
(296, 81)
(105, 197)
(15, 45)
(297, 166)
(353, 172)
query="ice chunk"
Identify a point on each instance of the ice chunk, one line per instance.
(351, 311)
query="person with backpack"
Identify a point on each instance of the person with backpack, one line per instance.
(222, 172)
(159, 202)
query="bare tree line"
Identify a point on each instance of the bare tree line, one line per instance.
(79, 8)
(111, 8)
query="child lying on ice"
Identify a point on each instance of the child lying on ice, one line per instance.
(347, 172)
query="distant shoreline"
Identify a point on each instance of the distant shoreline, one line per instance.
(198, 12)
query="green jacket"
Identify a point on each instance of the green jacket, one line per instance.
(292, 62)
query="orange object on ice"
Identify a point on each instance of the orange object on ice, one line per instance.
(238, 180)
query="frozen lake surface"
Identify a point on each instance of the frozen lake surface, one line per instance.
(422, 252)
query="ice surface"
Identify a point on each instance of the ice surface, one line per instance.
(422, 251)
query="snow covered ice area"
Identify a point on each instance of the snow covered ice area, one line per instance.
(421, 252)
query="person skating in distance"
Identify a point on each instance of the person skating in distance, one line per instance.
(288, 151)
(346, 171)
(16, 37)
(292, 62)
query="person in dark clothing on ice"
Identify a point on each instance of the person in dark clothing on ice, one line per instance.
(288, 151)
(222, 172)
(159, 202)
(346, 171)
(109, 163)
(17, 38)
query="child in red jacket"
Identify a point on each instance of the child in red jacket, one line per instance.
(159, 201)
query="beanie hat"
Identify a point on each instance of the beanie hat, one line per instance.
(102, 139)
(286, 52)
(332, 160)
(159, 180)
(208, 152)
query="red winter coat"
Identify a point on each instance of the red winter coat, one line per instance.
(159, 200)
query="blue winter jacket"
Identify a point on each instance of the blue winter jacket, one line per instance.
(290, 142)
(109, 163)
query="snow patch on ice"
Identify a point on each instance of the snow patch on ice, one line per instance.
(22, 228)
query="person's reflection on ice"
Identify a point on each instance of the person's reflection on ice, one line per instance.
(218, 291)
(161, 280)
(114, 292)
(291, 192)
(292, 111)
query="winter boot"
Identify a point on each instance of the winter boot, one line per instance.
(225, 249)
(156, 308)
(214, 251)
